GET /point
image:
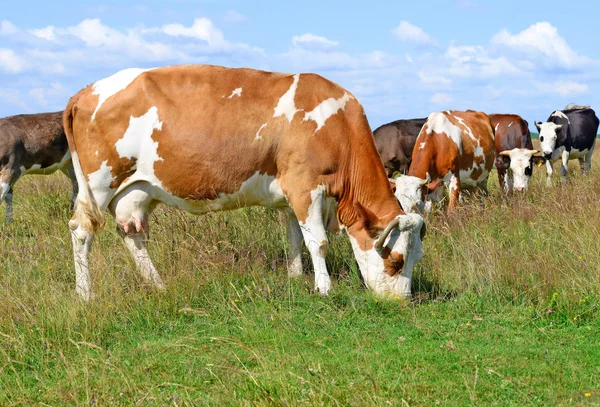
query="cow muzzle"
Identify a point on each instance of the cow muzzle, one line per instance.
(547, 155)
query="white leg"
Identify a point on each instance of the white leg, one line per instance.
(136, 244)
(315, 239)
(82, 242)
(295, 241)
(564, 169)
(588, 161)
(549, 171)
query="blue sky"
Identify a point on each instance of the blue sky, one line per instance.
(401, 60)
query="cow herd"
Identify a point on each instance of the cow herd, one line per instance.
(206, 138)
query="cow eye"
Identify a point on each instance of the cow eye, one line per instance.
(528, 170)
(542, 139)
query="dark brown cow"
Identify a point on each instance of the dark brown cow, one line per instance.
(32, 144)
(395, 142)
(515, 154)
(205, 138)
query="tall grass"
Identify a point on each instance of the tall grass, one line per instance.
(232, 329)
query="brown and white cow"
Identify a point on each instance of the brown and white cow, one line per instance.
(206, 138)
(32, 144)
(515, 154)
(455, 150)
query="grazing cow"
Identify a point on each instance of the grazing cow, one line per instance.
(454, 149)
(568, 134)
(515, 154)
(32, 144)
(395, 142)
(206, 138)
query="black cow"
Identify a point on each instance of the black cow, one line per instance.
(395, 142)
(568, 134)
(32, 144)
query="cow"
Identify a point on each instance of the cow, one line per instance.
(395, 142)
(568, 134)
(515, 156)
(454, 150)
(32, 144)
(207, 138)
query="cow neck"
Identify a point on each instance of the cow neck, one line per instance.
(422, 163)
(366, 183)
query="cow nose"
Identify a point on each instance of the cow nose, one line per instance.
(519, 189)
(547, 155)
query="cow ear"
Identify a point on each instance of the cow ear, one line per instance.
(538, 160)
(432, 186)
(538, 125)
(505, 158)
(369, 220)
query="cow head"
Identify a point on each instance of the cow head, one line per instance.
(521, 161)
(386, 254)
(548, 136)
(412, 192)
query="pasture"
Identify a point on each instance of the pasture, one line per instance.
(505, 310)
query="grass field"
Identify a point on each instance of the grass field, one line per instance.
(505, 311)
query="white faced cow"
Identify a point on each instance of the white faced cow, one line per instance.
(515, 157)
(568, 134)
(206, 138)
(32, 144)
(454, 150)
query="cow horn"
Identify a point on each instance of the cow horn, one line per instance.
(505, 152)
(379, 243)
(427, 179)
(534, 152)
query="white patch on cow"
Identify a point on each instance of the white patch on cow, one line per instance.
(107, 87)
(477, 149)
(37, 168)
(258, 136)
(286, 105)
(497, 126)
(574, 153)
(326, 109)
(137, 143)
(96, 153)
(5, 189)
(558, 113)
(548, 137)
(422, 146)
(405, 240)
(439, 123)
(453, 183)
(408, 193)
(510, 124)
(236, 92)
(99, 182)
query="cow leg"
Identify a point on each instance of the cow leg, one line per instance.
(295, 241)
(82, 243)
(131, 209)
(70, 172)
(564, 169)
(454, 193)
(549, 171)
(8, 177)
(502, 178)
(588, 161)
(313, 231)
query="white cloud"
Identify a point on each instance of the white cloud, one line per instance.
(41, 95)
(309, 40)
(202, 29)
(564, 88)
(8, 28)
(235, 17)
(407, 32)
(12, 97)
(10, 62)
(441, 99)
(544, 39)
(434, 79)
(45, 33)
(475, 61)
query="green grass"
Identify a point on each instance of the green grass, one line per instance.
(505, 311)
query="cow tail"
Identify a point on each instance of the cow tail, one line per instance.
(87, 214)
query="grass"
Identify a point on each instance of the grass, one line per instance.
(505, 311)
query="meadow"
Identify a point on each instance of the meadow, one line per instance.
(505, 310)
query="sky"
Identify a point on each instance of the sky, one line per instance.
(400, 60)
